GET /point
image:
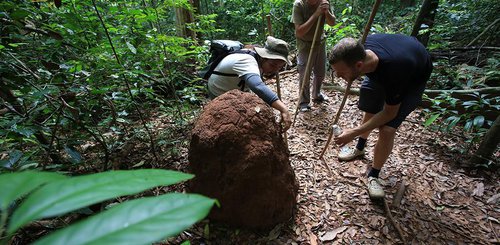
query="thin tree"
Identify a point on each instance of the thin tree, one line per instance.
(488, 146)
(425, 17)
(183, 17)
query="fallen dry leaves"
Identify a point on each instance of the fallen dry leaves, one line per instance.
(443, 204)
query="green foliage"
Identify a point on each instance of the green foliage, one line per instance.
(245, 20)
(16, 185)
(464, 76)
(140, 221)
(56, 198)
(345, 27)
(448, 112)
(68, 88)
(491, 71)
(461, 21)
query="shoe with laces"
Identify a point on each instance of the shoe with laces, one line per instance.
(350, 154)
(375, 190)
(304, 107)
(321, 98)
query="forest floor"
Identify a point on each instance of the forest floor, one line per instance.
(444, 203)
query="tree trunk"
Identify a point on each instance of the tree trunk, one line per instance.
(182, 18)
(407, 3)
(197, 11)
(425, 16)
(488, 146)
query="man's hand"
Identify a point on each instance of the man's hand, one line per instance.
(285, 115)
(346, 137)
(286, 119)
(323, 8)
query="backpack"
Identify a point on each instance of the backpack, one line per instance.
(219, 49)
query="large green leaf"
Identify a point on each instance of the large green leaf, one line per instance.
(70, 194)
(141, 221)
(431, 119)
(478, 121)
(16, 185)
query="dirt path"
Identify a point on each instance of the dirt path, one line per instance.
(443, 204)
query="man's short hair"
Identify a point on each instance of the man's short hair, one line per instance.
(348, 50)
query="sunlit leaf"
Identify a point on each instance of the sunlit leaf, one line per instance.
(468, 125)
(431, 119)
(132, 48)
(468, 104)
(453, 122)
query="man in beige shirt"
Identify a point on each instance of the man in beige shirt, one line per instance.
(305, 16)
(243, 71)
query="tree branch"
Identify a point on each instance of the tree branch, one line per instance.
(393, 222)
(484, 31)
(396, 201)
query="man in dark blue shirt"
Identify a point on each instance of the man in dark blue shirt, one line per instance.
(397, 68)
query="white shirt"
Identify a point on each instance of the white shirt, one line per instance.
(239, 64)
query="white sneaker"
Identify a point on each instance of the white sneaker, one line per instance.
(375, 190)
(350, 153)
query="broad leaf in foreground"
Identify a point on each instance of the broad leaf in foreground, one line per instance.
(18, 184)
(140, 221)
(66, 195)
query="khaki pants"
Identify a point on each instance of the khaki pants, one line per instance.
(318, 70)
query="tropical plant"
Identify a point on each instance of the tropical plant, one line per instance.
(451, 112)
(78, 73)
(28, 196)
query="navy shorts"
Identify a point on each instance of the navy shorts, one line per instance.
(372, 99)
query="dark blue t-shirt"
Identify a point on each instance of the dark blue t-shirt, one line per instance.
(404, 64)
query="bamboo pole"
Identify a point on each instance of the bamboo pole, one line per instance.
(308, 67)
(330, 135)
(370, 20)
(278, 87)
(270, 31)
(349, 83)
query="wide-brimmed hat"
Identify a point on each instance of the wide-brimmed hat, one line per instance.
(275, 49)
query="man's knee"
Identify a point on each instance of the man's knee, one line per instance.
(387, 130)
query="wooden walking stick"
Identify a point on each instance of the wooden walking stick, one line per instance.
(370, 21)
(307, 73)
(307, 76)
(349, 83)
(270, 30)
(278, 87)
(337, 117)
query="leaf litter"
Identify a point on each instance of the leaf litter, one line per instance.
(443, 203)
